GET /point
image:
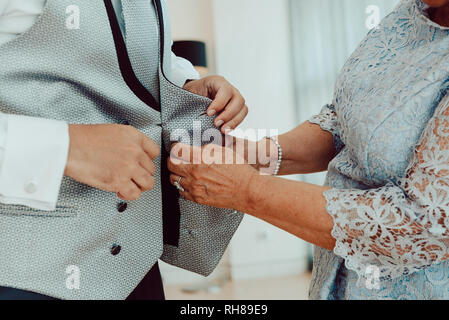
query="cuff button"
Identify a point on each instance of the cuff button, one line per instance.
(31, 187)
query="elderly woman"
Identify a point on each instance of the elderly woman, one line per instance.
(381, 223)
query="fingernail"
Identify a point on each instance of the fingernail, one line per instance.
(210, 113)
(227, 129)
(219, 123)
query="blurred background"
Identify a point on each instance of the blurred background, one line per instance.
(284, 56)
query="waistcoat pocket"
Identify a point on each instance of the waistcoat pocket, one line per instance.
(62, 211)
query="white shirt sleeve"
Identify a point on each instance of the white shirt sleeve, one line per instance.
(33, 157)
(33, 151)
(181, 71)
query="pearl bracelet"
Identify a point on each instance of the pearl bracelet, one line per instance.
(279, 162)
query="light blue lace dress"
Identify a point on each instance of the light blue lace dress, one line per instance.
(390, 179)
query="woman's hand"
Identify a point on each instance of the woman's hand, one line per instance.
(296, 207)
(212, 175)
(227, 102)
(262, 155)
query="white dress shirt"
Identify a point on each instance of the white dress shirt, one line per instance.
(33, 151)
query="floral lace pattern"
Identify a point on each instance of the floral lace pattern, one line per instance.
(328, 121)
(390, 179)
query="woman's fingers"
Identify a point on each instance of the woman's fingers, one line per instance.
(174, 178)
(183, 153)
(231, 111)
(182, 156)
(221, 100)
(184, 182)
(176, 166)
(187, 195)
(234, 122)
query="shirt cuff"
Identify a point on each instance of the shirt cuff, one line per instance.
(34, 161)
(181, 71)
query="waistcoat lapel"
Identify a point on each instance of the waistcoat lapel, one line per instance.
(142, 42)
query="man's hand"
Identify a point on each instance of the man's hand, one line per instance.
(113, 158)
(227, 102)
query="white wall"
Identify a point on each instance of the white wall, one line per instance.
(253, 50)
(249, 43)
(252, 43)
(193, 20)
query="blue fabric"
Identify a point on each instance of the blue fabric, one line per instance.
(384, 98)
(16, 294)
(150, 288)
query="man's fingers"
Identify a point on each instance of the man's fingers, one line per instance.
(222, 98)
(146, 163)
(238, 119)
(129, 191)
(232, 109)
(144, 180)
(150, 147)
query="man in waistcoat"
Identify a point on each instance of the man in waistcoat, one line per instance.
(87, 108)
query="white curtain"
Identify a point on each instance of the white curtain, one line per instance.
(324, 34)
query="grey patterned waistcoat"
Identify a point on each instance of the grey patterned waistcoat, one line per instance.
(75, 75)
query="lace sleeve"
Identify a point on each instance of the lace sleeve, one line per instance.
(327, 120)
(399, 228)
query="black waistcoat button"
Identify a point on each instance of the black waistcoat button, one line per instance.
(115, 250)
(122, 206)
